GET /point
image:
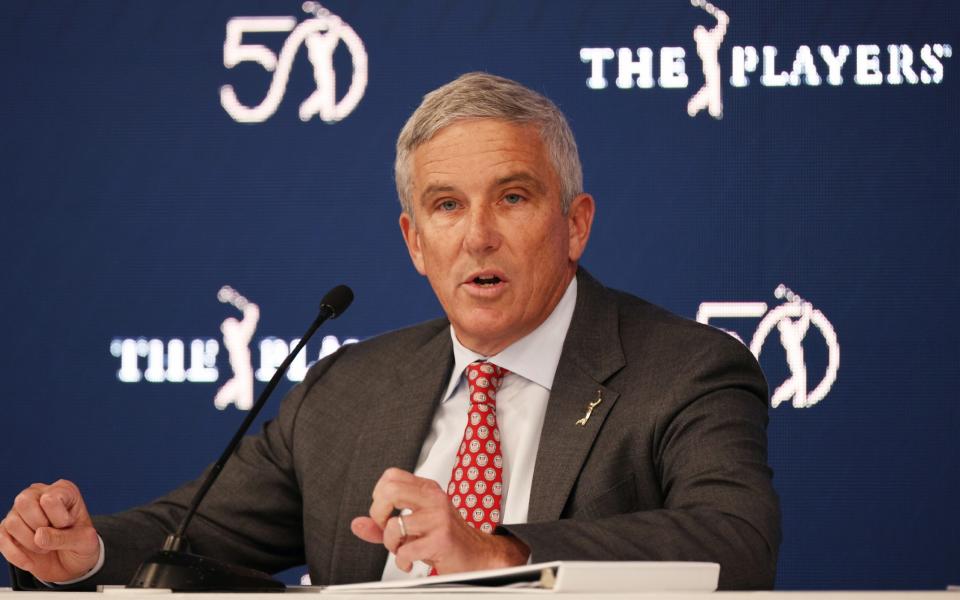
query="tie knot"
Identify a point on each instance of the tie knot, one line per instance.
(484, 379)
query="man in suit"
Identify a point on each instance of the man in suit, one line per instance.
(569, 420)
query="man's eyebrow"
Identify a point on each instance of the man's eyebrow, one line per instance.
(434, 189)
(521, 177)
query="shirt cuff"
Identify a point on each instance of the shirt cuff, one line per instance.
(96, 569)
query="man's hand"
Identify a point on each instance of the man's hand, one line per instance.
(48, 532)
(436, 534)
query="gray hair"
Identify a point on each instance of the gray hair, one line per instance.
(483, 96)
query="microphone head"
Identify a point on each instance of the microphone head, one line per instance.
(337, 300)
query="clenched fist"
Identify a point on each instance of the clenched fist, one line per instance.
(49, 533)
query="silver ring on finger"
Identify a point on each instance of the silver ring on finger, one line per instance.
(403, 528)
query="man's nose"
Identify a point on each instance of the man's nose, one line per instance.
(483, 234)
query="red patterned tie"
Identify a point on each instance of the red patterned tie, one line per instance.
(476, 484)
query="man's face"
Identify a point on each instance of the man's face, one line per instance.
(488, 230)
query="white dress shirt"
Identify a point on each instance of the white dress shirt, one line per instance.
(521, 406)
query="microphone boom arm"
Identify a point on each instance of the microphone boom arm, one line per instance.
(173, 567)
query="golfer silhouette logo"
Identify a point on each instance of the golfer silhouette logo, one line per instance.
(793, 319)
(237, 333)
(708, 47)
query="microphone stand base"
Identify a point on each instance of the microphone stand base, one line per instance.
(185, 572)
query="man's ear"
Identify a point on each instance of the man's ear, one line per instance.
(412, 239)
(579, 221)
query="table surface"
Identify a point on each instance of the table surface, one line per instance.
(124, 594)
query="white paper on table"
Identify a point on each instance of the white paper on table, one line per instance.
(562, 576)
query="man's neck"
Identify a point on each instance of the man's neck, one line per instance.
(535, 356)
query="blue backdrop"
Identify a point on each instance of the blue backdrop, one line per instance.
(135, 186)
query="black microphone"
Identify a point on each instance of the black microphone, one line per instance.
(176, 569)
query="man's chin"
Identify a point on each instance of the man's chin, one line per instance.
(483, 331)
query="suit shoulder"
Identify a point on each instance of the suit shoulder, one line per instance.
(404, 339)
(673, 337)
(380, 350)
(667, 352)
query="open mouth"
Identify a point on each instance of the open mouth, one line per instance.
(487, 281)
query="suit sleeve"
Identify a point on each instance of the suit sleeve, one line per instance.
(716, 500)
(252, 516)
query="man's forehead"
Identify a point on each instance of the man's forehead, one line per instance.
(495, 151)
(467, 136)
(438, 183)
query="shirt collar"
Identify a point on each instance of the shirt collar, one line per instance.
(534, 357)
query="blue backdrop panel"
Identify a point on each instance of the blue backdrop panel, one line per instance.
(810, 205)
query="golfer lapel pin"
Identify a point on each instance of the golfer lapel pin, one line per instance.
(586, 417)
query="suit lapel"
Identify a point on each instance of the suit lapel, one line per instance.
(591, 355)
(401, 421)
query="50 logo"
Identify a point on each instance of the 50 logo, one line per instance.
(321, 34)
(792, 319)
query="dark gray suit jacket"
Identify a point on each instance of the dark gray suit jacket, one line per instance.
(672, 464)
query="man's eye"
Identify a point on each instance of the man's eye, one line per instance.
(513, 198)
(448, 205)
